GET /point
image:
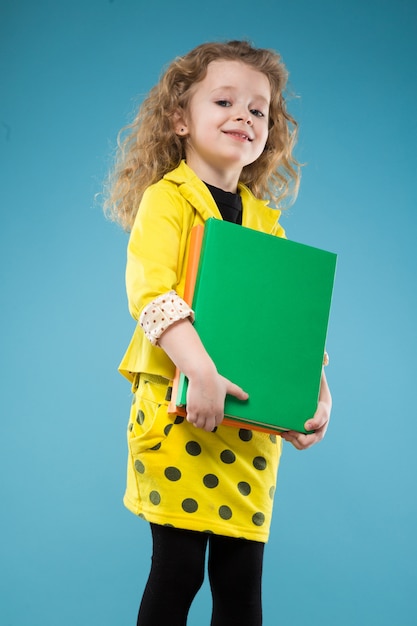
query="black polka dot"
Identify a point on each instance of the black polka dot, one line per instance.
(172, 473)
(167, 429)
(245, 435)
(156, 446)
(210, 481)
(244, 488)
(139, 466)
(225, 512)
(259, 462)
(273, 438)
(140, 417)
(227, 456)
(189, 505)
(179, 419)
(272, 492)
(155, 497)
(193, 448)
(258, 519)
(130, 427)
(133, 400)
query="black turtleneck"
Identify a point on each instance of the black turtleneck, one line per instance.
(229, 204)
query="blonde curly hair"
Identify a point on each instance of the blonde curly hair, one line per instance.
(149, 147)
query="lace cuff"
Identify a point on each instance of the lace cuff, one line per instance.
(157, 316)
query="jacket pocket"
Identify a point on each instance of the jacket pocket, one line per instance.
(149, 422)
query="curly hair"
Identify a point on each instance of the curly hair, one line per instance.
(149, 147)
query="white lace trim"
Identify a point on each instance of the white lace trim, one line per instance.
(161, 313)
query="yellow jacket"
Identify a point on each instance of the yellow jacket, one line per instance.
(158, 249)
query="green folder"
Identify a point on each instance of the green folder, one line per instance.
(262, 306)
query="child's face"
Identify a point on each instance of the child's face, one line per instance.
(226, 123)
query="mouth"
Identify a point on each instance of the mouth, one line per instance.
(239, 135)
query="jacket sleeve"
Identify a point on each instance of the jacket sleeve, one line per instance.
(155, 249)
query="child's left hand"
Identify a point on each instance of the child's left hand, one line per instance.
(319, 422)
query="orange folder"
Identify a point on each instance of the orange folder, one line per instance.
(196, 239)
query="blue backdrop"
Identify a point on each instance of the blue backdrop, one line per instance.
(343, 544)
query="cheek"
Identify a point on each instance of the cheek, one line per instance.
(263, 138)
(266, 131)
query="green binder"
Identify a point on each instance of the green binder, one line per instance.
(262, 306)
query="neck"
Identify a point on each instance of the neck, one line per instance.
(220, 177)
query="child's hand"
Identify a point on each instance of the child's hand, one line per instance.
(205, 399)
(319, 422)
(206, 388)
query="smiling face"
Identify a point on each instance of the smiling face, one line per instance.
(226, 122)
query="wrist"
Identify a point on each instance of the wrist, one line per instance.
(200, 369)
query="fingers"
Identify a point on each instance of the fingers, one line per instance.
(206, 410)
(301, 441)
(320, 418)
(206, 423)
(235, 390)
(318, 423)
(205, 413)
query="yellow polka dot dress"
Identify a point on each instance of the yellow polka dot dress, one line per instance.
(221, 482)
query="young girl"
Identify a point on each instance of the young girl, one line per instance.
(211, 138)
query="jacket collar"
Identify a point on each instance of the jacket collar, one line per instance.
(194, 190)
(256, 213)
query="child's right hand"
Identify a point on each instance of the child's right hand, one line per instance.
(206, 396)
(207, 389)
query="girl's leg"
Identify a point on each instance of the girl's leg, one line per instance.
(235, 571)
(177, 573)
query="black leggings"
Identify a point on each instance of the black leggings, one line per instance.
(177, 573)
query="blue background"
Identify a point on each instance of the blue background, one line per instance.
(343, 545)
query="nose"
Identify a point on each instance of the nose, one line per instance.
(244, 116)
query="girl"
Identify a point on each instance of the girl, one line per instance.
(210, 139)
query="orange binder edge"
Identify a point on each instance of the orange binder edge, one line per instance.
(196, 240)
(250, 426)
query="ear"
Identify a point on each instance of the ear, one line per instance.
(179, 123)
